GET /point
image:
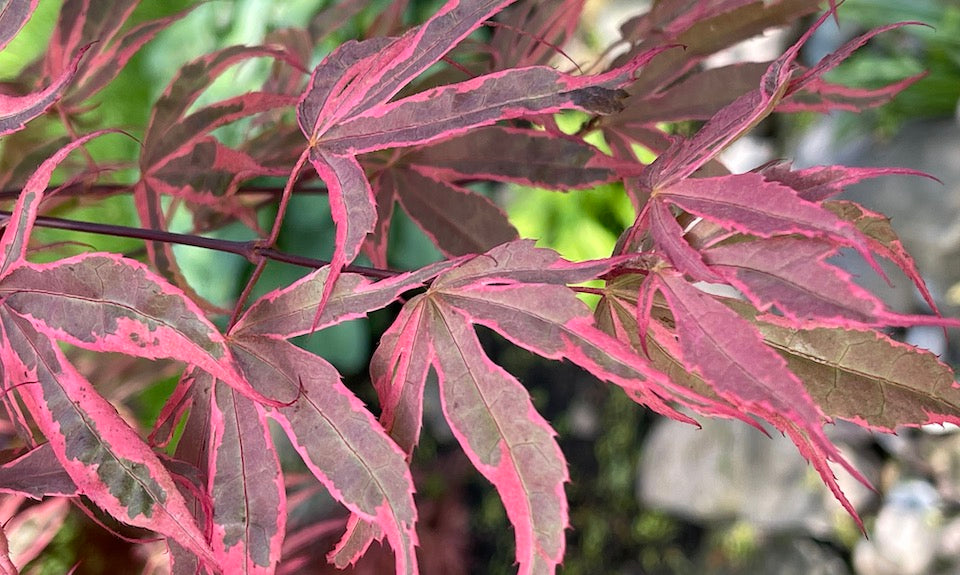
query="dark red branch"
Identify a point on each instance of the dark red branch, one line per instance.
(251, 250)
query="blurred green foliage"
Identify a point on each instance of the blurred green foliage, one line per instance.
(933, 47)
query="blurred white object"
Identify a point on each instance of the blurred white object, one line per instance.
(906, 535)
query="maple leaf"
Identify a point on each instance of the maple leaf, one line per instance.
(13, 16)
(347, 111)
(519, 292)
(768, 235)
(105, 458)
(98, 25)
(338, 439)
(179, 158)
(105, 303)
(16, 111)
(36, 474)
(863, 376)
(385, 124)
(230, 444)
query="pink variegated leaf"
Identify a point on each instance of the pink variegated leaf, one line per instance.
(731, 357)
(836, 57)
(354, 543)
(36, 474)
(347, 114)
(112, 54)
(339, 440)
(882, 239)
(703, 29)
(731, 122)
(399, 369)
(206, 176)
(106, 302)
(490, 414)
(173, 133)
(194, 393)
(555, 330)
(81, 22)
(13, 15)
(245, 485)
(863, 376)
(823, 97)
(6, 563)
(617, 315)
(823, 182)
(385, 190)
(13, 243)
(170, 124)
(793, 275)
(537, 311)
(687, 155)
(698, 97)
(16, 111)
(526, 157)
(536, 32)
(481, 402)
(352, 206)
(168, 142)
(377, 71)
(668, 235)
(291, 311)
(320, 103)
(457, 220)
(492, 417)
(177, 406)
(105, 458)
(32, 530)
(521, 262)
(453, 109)
(750, 204)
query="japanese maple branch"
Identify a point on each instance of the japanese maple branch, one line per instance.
(251, 250)
(112, 189)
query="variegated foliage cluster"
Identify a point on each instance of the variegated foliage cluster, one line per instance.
(411, 116)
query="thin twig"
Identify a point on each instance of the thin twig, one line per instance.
(251, 250)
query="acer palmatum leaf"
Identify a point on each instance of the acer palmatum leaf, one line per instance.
(793, 275)
(16, 234)
(245, 485)
(731, 357)
(105, 458)
(16, 111)
(346, 109)
(338, 439)
(105, 302)
(36, 474)
(12, 18)
(861, 375)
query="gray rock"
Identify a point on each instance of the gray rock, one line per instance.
(906, 535)
(728, 471)
(785, 556)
